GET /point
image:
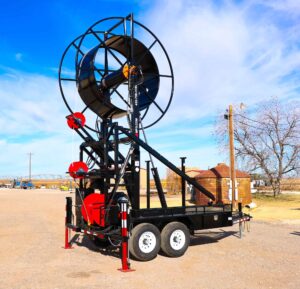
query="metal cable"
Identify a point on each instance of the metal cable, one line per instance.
(122, 172)
(112, 243)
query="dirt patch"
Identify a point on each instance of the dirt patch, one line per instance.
(31, 254)
(78, 275)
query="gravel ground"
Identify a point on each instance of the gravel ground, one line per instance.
(31, 254)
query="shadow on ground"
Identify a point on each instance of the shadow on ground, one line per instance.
(202, 238)
(87, 242)
(199, 238)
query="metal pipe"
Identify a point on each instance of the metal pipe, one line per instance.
(183, 181)
(159, 188)
(131, 38)
(69, 210)
(81, 159)
(148, 184)
(232, 158)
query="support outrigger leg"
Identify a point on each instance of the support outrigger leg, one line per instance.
(124, 233)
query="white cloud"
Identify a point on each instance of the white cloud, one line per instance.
(292, 7)
(50, 155)
(203, 157)
(32, 119)
(224, 55)
(19, 56)
(221, 54)
(30, 103)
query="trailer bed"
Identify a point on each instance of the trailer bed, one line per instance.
(196, 217)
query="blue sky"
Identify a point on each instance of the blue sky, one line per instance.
(222, 52)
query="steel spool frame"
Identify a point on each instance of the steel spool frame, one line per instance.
(78, 42)
(108, 135)
(113, 170)
(113, 219)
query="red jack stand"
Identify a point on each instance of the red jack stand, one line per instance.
(67, 243)
(125, 260)
(125, 254)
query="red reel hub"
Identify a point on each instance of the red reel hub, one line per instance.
(77, 170)
(76, 120)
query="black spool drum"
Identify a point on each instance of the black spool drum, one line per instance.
(97, 95)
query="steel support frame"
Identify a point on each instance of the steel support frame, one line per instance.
(167, 163)
(132, 179)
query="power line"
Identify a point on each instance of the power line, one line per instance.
(259, 122)
(249, 125)
(260, 128)
(250, 118)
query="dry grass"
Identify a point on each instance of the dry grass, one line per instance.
(172, 201)
(284, 208)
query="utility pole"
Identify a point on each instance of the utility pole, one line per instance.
(30, 154)
(232, 159)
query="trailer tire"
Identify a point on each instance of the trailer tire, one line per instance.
(175, 239)
(144, 242)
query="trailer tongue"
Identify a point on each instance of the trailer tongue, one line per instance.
(118, 76)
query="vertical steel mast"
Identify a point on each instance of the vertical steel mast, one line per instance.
(134, 120)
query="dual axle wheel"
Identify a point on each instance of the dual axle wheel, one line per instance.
(146, 240)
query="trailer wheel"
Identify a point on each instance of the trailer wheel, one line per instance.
(144, 242)
(175, 239)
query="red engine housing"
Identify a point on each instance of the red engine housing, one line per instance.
(93, 209)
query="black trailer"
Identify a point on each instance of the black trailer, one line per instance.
(107, 200)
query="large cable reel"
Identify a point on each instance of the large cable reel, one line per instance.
(105, 55)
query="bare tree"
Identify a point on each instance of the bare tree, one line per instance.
(173, 182)
(268, 141)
